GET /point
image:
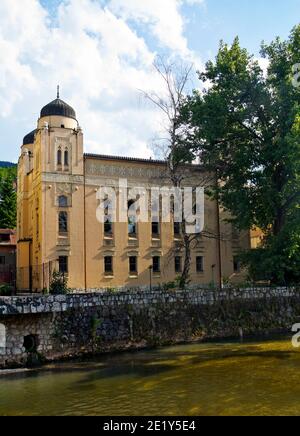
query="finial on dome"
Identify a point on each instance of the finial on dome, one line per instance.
(57, 91)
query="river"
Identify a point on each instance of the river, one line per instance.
(252, 378)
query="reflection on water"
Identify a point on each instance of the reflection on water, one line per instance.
(202, 379)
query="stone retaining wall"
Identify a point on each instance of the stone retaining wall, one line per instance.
(76, 324)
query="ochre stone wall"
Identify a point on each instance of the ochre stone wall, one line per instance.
(74, 325)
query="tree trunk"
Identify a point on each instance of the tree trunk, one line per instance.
(184, 280)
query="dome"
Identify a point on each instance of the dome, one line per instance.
(60, 108)
(29, 139)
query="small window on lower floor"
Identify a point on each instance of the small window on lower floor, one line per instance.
(108, 265)
(199, 264)
(156, 264)
(63, 264)
(2, 260)
(133, 265)
(236, 265)
(178, 264)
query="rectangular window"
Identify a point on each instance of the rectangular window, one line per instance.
(177, 229)
(63, 222)
(236, 265)
(108, 265)
(156, 264)
(63, 264)
(2, 260)
(108, 228)
(155, 230)
(178, 264)
(199, 264)
(133, 265)
(132, 227)
(4, 238)
(62, 201)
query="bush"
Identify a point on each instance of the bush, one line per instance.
(6, 290)
(59, 284)
(169, 286)
(111, 290)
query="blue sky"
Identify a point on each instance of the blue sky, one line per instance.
(101, 52)
(252, 20)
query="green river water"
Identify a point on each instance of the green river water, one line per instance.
(254, 378)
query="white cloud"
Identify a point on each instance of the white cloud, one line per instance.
(99, 58)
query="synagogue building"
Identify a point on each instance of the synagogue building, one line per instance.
(58, 229)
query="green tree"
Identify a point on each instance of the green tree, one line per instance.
(8, 203)
(246, 128)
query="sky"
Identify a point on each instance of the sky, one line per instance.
(101, 53)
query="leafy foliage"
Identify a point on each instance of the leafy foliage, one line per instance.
(246, 128)
(59, 284)
(6, 290)
(8, 202)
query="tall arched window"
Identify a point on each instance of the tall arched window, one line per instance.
(66, 158)
(59, 157)
(63, 222)
(62, 201)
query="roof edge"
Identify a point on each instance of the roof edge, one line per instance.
(124, 158)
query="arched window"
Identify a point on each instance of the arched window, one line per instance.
(63, 201)
(59, 157)
(66, 158)
(2, 336)
(63, 222)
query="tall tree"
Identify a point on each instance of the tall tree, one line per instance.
(175, 78)
(245, 126)
(8, 203)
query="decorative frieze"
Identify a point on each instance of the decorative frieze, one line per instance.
(109, 170)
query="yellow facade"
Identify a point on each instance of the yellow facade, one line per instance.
(57, 180)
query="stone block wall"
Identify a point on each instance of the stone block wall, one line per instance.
(53, 327)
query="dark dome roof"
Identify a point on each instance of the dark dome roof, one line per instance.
(60, 108)
(29, 139)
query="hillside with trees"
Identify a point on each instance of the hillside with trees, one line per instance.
(8, 196)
